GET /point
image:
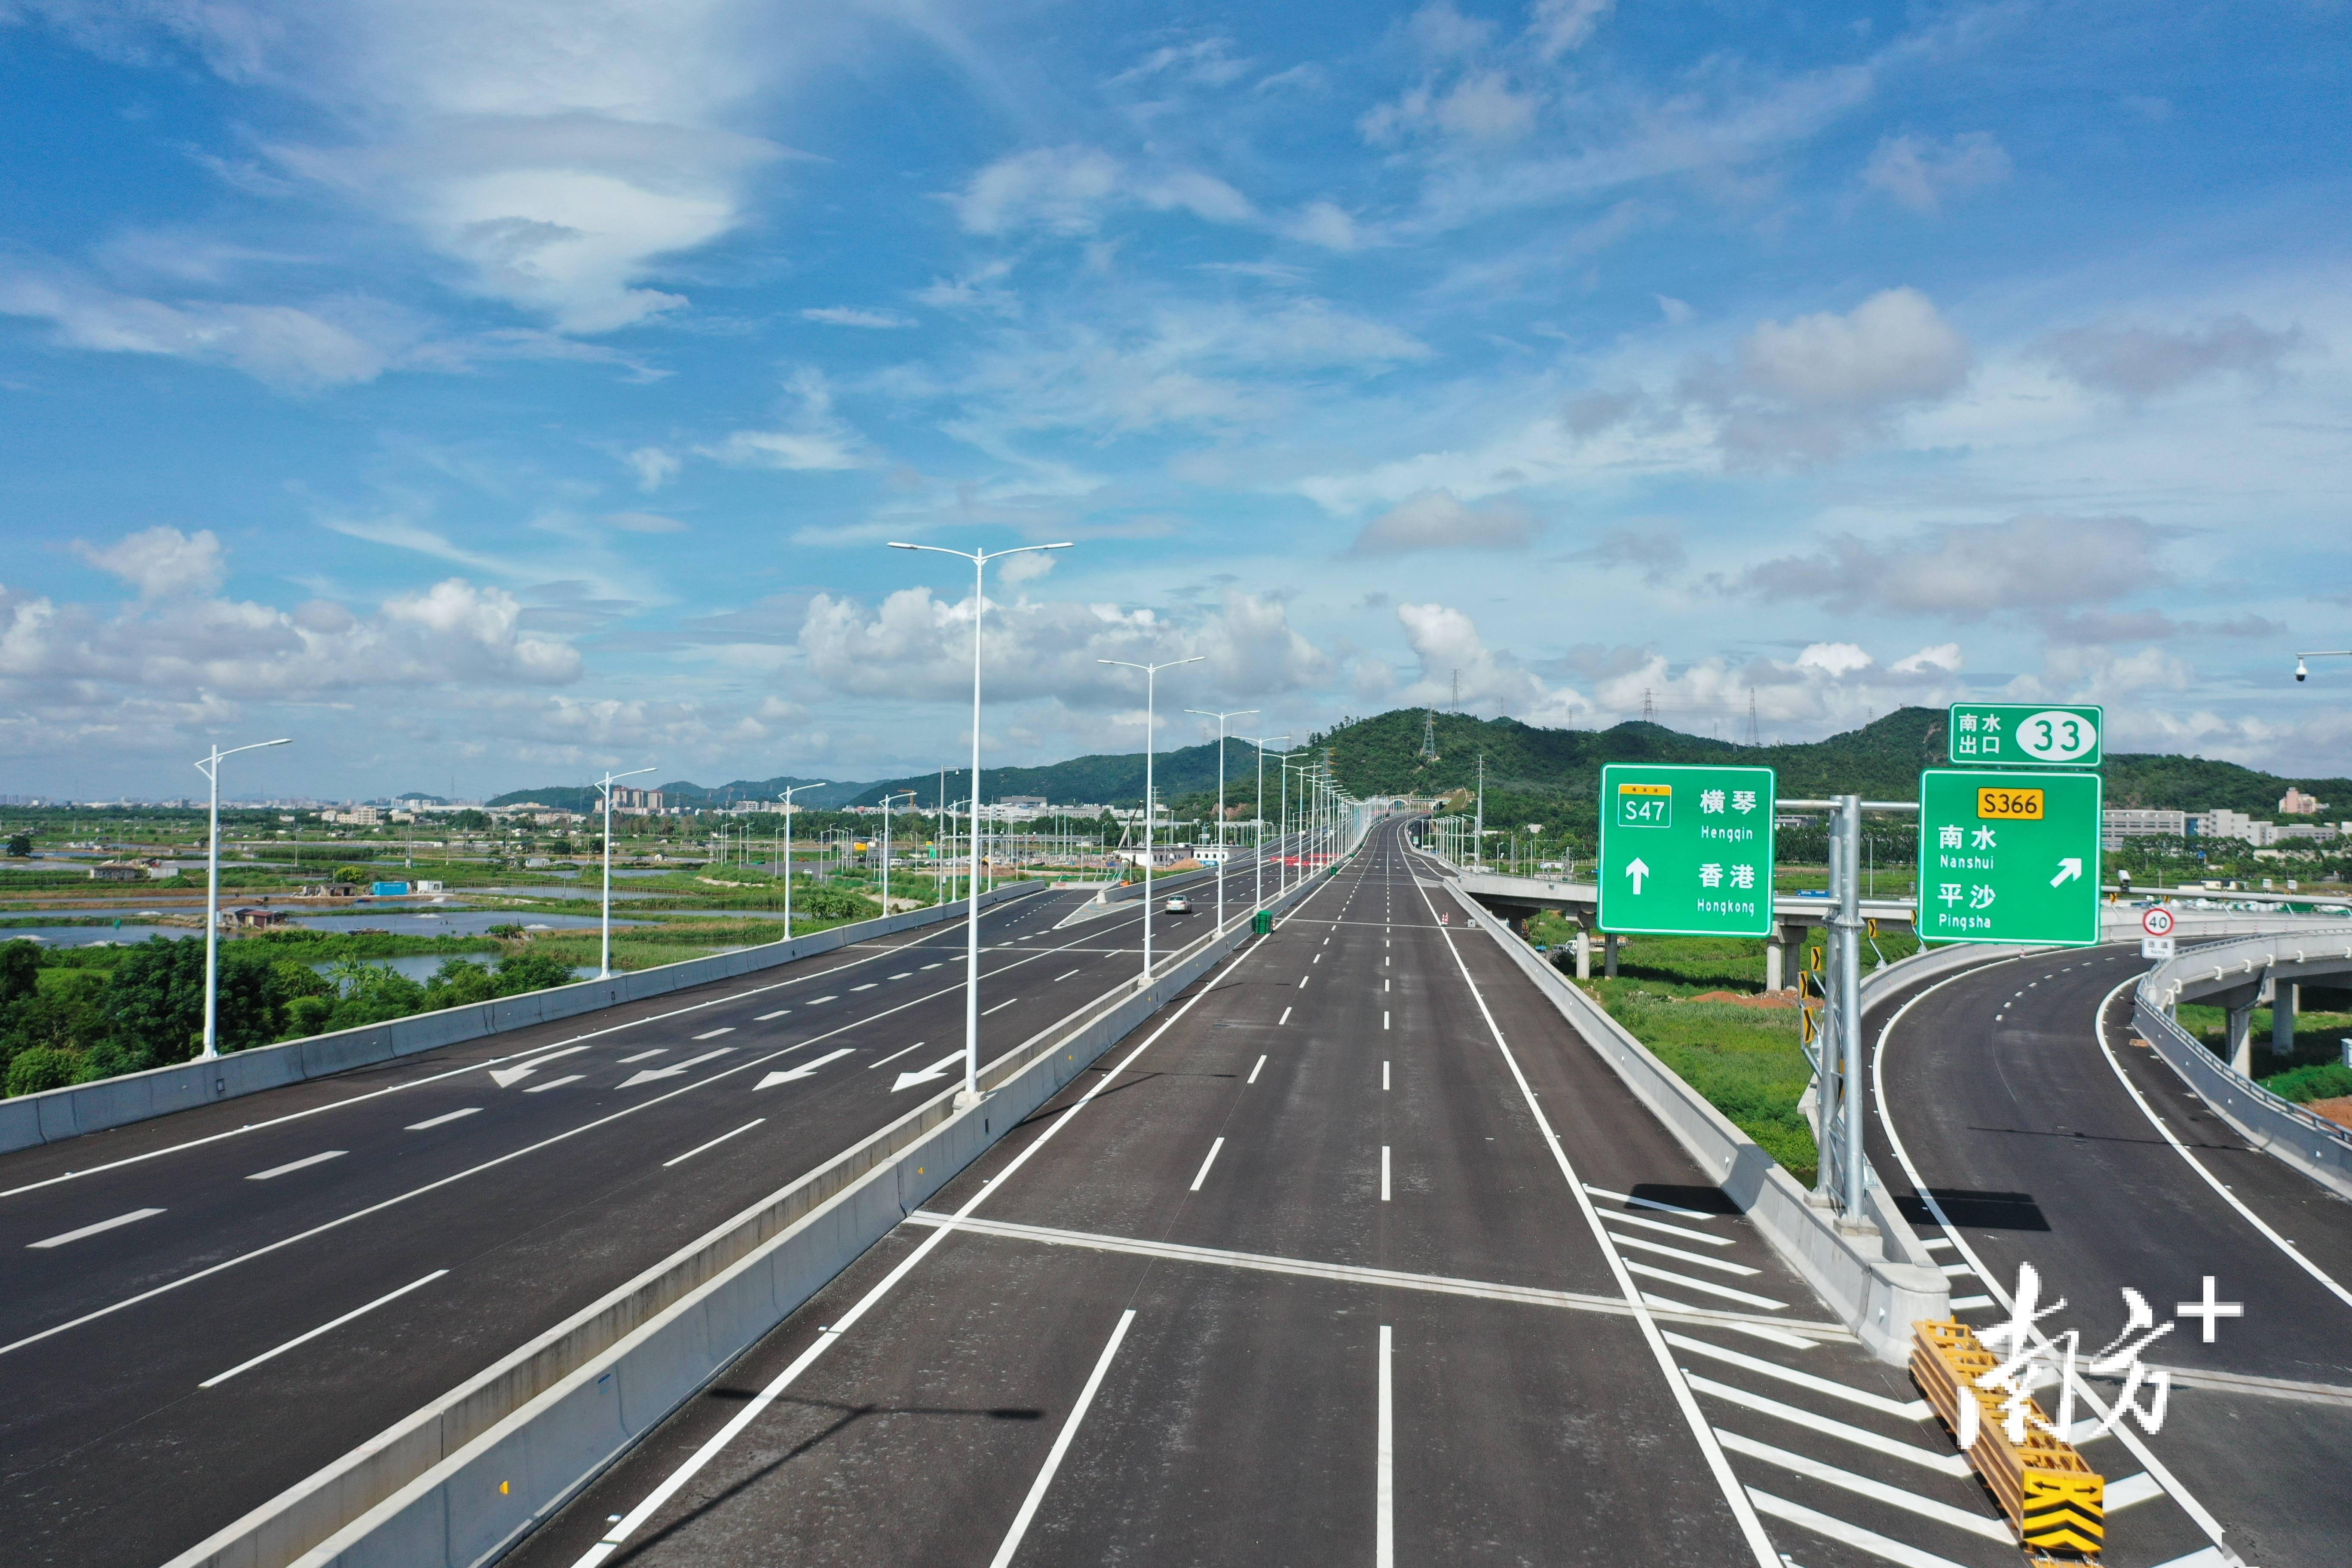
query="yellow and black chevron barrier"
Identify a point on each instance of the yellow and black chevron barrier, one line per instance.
(2055, 1502)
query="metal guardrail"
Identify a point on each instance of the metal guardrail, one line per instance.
(2319, 1148)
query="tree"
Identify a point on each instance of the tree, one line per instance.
(156, 1001)
(20, 971)
(520, 971)
(20, 846)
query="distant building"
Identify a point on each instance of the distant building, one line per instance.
(636, 801)
(252, 917)
(2134, 822)
(356, 817)
(328, 889)
(2294, 802)
(119, 871)
(2223, 822)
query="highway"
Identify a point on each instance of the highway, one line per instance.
(199, 1311)
(1357, 1256)
(2043, 1135)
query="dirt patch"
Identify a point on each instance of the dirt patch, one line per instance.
(2338, 1110)
(1750, 998)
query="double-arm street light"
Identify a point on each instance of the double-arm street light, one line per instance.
(210, 767)
(1151, 686)
(1220, 717)
(1258, 859)
(604, 947)
(980, 559)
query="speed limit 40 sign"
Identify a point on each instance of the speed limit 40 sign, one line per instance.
(2012, 734)
(2157, 921)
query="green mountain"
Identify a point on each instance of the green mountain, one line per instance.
(685, 792)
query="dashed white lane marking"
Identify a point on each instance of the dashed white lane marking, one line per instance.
(722, 1138)
(1644, 1203)
(1202, 1175)
(1384, 1018)
(643, 1056)
(134, 1217)
(1384, 1077)
(321, 1329)
(815, 1000)
(1302, 983)
(1318, 957)
(714, 1033)
(1884, 1547)
(1286, 1014)
(867, 986)
(1384, 1463)
(902, 974)
(894, 1056)
(1829, 1426)
(999, 1007)
(765, 1017)
(1384, 1173)
(555, 1083)
(1976, 1524)
(1059, 978)
(1908, 1410)
(1061, 1446)
(446, 1116)
(308, 1159)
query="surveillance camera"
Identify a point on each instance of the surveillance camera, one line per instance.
(2300, 675)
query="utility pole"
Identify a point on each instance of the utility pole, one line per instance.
(1478, 840)
(1220, 717)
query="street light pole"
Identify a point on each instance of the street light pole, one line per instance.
(604, 947)
(210, 767)
(1220, 717)
(980, 559)
(1258, 859)
(887, 799)
(788, 793)
(1151, 686)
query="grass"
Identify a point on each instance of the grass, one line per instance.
(2318, 1044)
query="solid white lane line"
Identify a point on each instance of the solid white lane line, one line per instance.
(1700, 1236)
(1908, 1410)
(1863, 1486)
(323, 1328)
(722, 1138)
(765, 1017)
(1704, 1286)
(999, 1007)
(643, 1056)
(1061, 1446)
(319, 1159)
(1202, 1175)
(714, 1033)
(1384, 1173)
(894, 1056)
(1886, 1548)
(555, 1083)
(1861, 1438)
(1645, 1203)
(1724, 1263)
(1256, 1070)
(1286, 1014)
(437, 1121)
(122, 1219)
(630, 1522)
(1384, 1463)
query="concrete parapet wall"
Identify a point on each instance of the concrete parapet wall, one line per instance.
(546, 1419)
(80, 1108)
(1876, 1285)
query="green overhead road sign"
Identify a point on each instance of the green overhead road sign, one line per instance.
(1685, 850)
(2006, 856)
(2024, 735)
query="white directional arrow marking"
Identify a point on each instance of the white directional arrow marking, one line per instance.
(937, 1069)
(652, 1074)
(805, 1068)
(1637, 871)
(2069, 870)
(507, 1078)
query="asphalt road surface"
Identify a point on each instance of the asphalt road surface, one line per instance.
(1359, 1255)
(2044, 1136)
(200, 1311)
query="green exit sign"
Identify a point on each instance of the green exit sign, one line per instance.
(1685, 851)
(2025, 735)
(2009, 856)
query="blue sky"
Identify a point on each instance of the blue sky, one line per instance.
(489, 392)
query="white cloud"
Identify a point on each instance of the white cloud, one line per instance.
(290, 349)
(1065, 191)
(1559, 25)
(1325, 224)
(1834, 659)
(813, 440)
(1436, 520)
(1920, 173)
(1806, 390)
(1446, 644)
(2037, 562)
(1482, 106)
(1942, 657)
(1677, 312)
(161, 563)
(654, 467)
(2136, 363)
(853, 316)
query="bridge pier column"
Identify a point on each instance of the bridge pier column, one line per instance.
(1776, 959)
(2286, 998)
(2242, 1038)
(1583, 952)
(1608, 961)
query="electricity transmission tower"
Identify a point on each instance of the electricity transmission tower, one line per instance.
(1649, 710)
(1755, 735)
(1429, 736)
